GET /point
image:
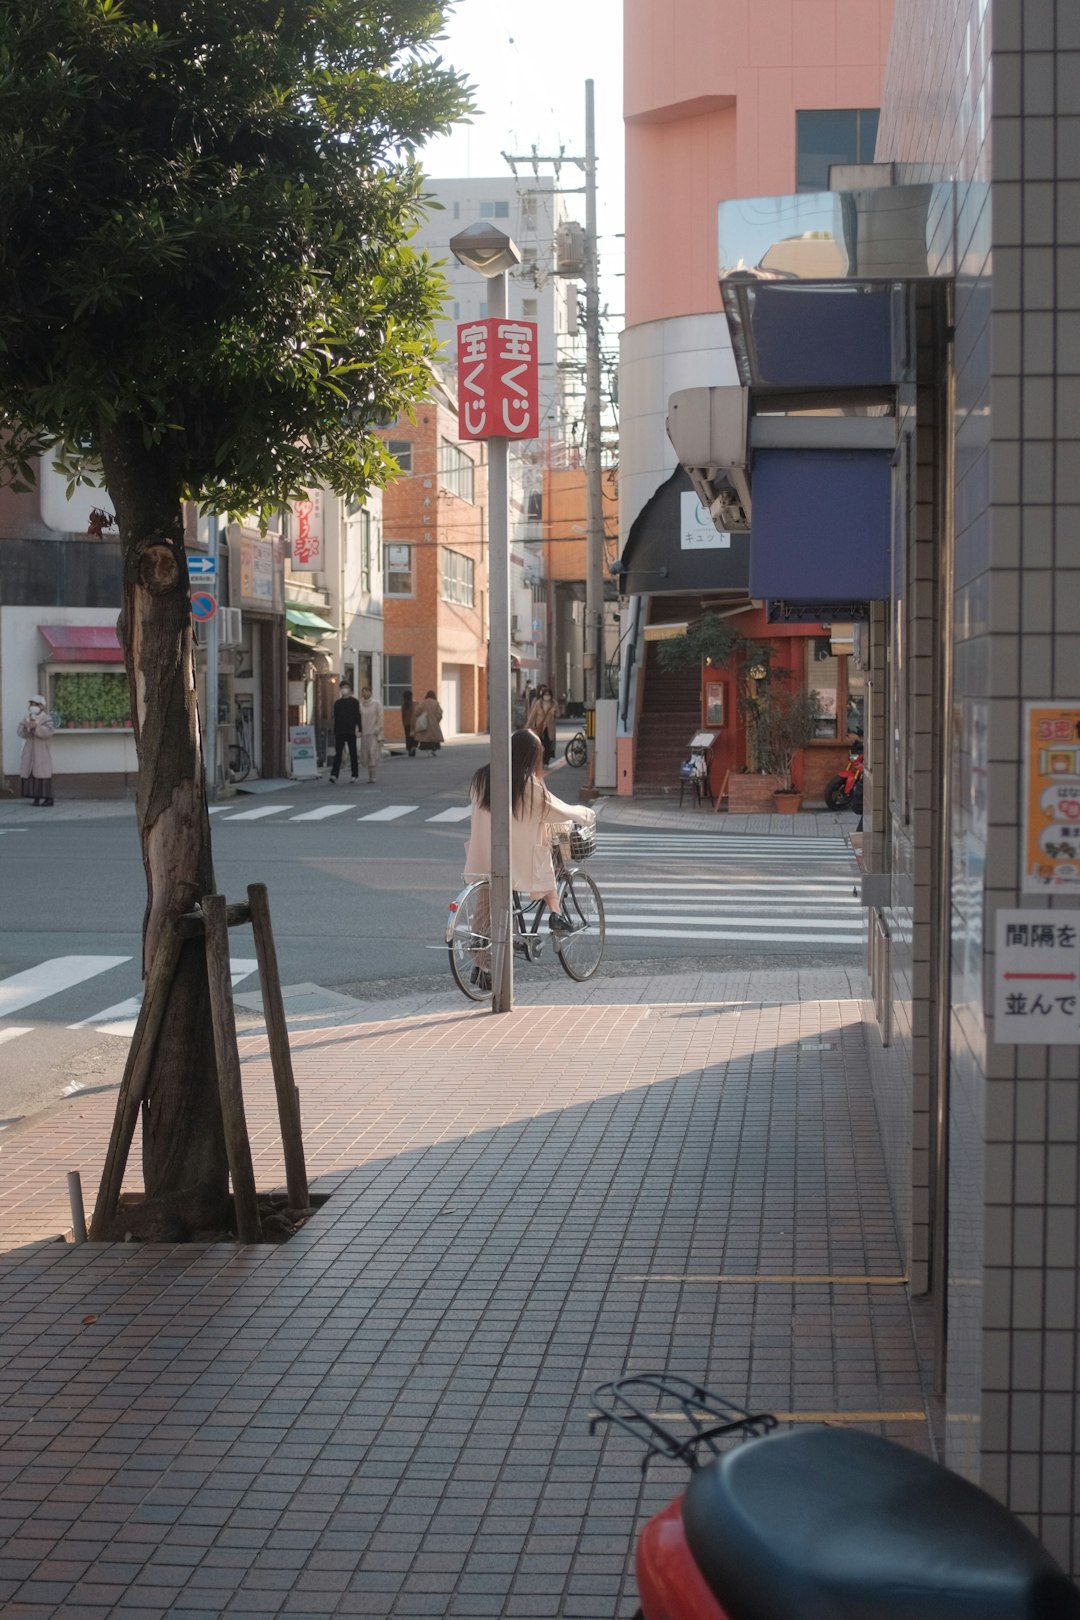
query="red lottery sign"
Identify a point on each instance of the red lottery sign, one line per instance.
(498, 379)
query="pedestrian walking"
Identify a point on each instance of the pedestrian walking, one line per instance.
(408, 714)
(346, 726)
(426, 724)
(541, 719)
(35, 766)
(371, 732)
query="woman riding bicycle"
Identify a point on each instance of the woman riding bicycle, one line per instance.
(535, 811)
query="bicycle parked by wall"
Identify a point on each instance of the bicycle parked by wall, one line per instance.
(576, 751)
(579, 952)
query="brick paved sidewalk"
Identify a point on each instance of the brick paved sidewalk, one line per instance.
(389, 1414)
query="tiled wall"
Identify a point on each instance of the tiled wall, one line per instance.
(1014, 1326)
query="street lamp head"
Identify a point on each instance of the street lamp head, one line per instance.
(483, 247)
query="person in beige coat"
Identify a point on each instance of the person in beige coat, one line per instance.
(371, 732)
(535, 812)
(542, 718)
(35, 766)
(426, 724)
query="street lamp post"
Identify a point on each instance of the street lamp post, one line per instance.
(486, 249)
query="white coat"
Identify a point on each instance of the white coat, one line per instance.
(531, 869)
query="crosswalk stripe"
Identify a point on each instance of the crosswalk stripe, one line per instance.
(49, 978)
(259, 812)
(121, 1019)
(10, 1034)
(824, 886)
(323, 812)
(216, 809)
(816, 906)
(390, 812)
(730, 919)
(787, 937)
(459, 812)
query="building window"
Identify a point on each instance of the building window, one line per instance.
(397, 678)
(455, 470)
(365, 552)
(457, 210)
(823, 677)
(398, 574)
(840, 135)
(401, 450)
(458, 578)
(494, 210)
(528, 309)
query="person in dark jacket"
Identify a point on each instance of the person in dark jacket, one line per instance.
(346, 727)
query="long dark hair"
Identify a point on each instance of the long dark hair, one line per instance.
(526, 753)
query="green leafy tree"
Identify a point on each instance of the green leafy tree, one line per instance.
(207, 290)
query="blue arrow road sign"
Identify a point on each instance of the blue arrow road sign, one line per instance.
(201, 568)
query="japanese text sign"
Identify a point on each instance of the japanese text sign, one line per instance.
(307, 545)
(498, 379)
(1037, 978)
(1051, 798)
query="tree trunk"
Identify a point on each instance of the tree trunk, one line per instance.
(185, 1167)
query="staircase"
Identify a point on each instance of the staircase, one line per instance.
(670, 714)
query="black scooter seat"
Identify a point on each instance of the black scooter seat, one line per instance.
(835, 1524)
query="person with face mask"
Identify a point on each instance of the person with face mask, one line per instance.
(35, 767)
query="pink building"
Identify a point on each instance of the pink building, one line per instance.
(722, 99)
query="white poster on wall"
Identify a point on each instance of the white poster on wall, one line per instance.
(697, 532)
(1037, 978)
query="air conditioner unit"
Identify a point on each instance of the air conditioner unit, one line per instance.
(513, 624)
(707, 427)
(570, 249)
(231, 629)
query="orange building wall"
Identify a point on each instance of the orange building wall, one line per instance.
(417, 511)
(711, 88)
(564, 508)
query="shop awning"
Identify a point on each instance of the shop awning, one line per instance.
(305, 619)
(81, 644)
(821, 527)
(670, 552)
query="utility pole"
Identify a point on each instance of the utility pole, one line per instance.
(594, 499)
(594, 507)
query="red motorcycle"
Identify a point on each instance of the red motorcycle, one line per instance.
(847, 786)
(818, 1523)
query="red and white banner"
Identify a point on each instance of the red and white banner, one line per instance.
(498, 379)
(307, 542)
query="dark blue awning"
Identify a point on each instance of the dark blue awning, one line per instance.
(821, 525)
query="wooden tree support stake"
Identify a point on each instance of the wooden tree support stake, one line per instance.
(210, 921)
(137, 1068)
(237, 1145)
(280, 1057)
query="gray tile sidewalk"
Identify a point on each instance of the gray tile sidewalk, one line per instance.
(389, 1414)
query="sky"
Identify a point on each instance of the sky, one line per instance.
(528, 63)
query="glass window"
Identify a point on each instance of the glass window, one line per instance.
(494, 210)
(458, 578)
(397, 678)
(398, 572)
(528, 309)
(822, 677)
(84, 700)
(365, 552)
(401, 450)
(856, 698)
(455, 470)
(835, 135)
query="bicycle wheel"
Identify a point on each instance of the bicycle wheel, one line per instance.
(577, 750)
(239, 763)
(580, 952)
(468, 939)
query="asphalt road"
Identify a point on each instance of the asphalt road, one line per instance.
(359, 905)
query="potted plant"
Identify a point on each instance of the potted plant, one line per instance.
(783, 722)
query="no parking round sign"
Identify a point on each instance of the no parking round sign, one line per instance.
(203, 605)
